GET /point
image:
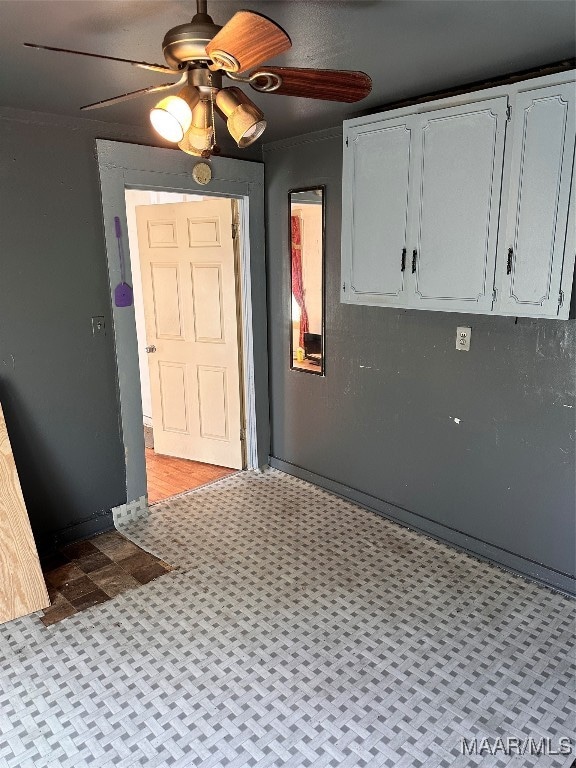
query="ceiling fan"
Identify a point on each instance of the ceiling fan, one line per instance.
(202, 53)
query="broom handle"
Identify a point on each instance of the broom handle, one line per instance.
(120, 249)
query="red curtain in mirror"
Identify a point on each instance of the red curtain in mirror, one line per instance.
(297, 283)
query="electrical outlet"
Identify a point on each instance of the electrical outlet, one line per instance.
(463, 338)
(98, 326)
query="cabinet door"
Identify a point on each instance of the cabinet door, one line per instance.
(542, 156)
(455, 220)
(375, 212)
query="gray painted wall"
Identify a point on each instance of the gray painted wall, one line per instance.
(58, 382)
(382, 421)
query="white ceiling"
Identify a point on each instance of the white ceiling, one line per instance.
(409, 48)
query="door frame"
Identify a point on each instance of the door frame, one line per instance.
(135, 166)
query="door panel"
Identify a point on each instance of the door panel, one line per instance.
(166, 298)
(203, 232)
(207, 303)
(213, 407)
(378, 219)
(162, 234)
(189, 286)
(459, 180)
(174, 410)
(541, 170)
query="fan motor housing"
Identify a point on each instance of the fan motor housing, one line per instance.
(208, 83)
(188, 42)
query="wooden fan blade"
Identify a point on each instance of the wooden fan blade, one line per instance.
(141, 64)
(329, 84)
(246, 41)
(130, 95)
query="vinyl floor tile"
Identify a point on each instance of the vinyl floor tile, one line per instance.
(140, 560)
(89, 599)
(103, 567)
(298, 630)
(59, 609)
(64, 574)
(78, 549)
(113, 579)
(62, 611)
(115, 546)
(93, 561)
(73, 590)
(148, 572)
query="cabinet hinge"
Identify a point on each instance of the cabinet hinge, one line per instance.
(508, 112)
(242, 434)
(560, 299)
(344, 286)
(346, 140)
(494, 294)
(234, 230)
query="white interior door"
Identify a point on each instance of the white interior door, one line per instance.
(189, 288)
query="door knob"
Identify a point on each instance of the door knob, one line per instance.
(151, 349)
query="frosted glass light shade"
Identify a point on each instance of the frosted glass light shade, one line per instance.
(200, 135)
(172, 116)
(196, 140)
(244, 125)
(244, 120)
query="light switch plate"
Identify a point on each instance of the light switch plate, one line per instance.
(463, 338)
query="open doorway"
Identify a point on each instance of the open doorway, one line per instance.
(124, 166)
(184, 258)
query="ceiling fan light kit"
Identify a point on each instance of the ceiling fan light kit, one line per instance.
(172, 116)
(200, 53)
(199, 137)
(245, 122)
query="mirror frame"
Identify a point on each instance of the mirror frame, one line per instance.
(322, 369)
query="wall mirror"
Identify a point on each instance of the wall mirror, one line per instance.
(307, 279)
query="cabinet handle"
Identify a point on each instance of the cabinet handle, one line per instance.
(403, 263)
(414, 255)
(509, 261)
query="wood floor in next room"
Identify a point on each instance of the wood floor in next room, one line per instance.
(168, 476)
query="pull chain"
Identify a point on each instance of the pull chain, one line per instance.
(212, 111)
(213, 148)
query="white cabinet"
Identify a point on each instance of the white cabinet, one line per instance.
(463, 204)
(458, 173)
(377, 232)
(535, 217)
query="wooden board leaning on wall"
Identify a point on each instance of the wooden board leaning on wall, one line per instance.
(22, 587)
